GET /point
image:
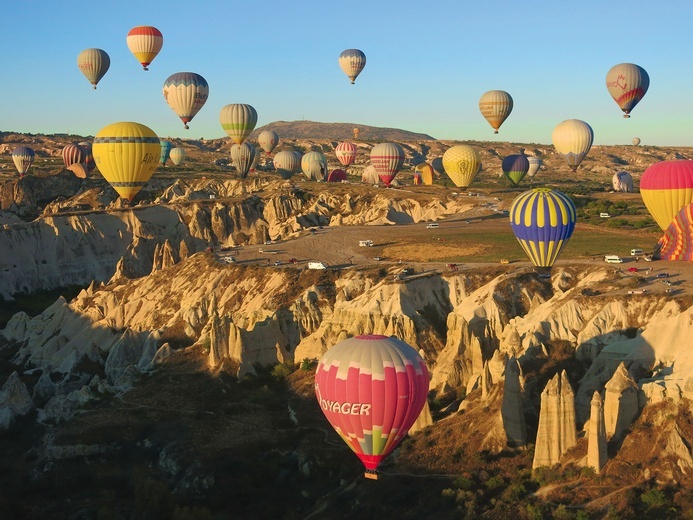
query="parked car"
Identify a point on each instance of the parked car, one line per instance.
(278, 262)
(632, 269)
(377, 258)
(663, 275)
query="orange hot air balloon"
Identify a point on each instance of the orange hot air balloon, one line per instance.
(145, 42)
(371, 390)
(356, 133)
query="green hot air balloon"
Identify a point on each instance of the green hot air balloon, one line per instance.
(238, 121)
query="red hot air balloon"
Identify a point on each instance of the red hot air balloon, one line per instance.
(371, 389)
(74, 153)
(346, 153)
(337, 175)
(387, 159)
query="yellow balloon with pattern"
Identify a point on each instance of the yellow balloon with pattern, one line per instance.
(461, 164)
(426, 172)
(127, 154)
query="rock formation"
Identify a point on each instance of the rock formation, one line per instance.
(596, 435)
(557, 432)
(512, 409)
(620, 403)
(14, 401)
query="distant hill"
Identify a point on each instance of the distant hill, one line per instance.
(338, 131)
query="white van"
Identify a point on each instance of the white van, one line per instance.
(316, 265)
(604, 215)
(432, 225)
(613, 259)
(637, 252)
(365, 243)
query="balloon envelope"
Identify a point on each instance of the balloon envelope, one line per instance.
(316, 171)
(79, 169)
(242, 156)
(627, 83)
(495, 106)
(352, 62)
(186, 93)
(426, 172)
(387, 159)
(268, 140)
(23, 157)
(238, 121)
(93, 63)
(177, 155)
(573, 139)
(665, 188)
(542, 220)
(89, 160)
(337, 175)
(145, 42)
(369, 175)
(636, 141)
(346, 153)
(622, 182)
(461, 164)
(515, 167)
(286, 163)
(166, 148)
(534, 165)
(127, 154)
(677, 242)
(73, 153)
(371, 389)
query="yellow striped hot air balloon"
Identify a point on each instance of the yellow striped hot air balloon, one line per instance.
(238, 121)
(573, 139)
(495, 106)
(542, 220)
(145, 42)
(93, 63)
(461, 164)
(127, 154)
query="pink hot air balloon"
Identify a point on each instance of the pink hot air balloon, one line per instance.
(74, 153)
(372, 389)
(677, 242)
(346, 153)
(387, 159)
(666, 187)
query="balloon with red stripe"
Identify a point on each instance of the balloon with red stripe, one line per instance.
(346, 153)
(145, 42)
(387, 159)
(372, 389)
(665, 188)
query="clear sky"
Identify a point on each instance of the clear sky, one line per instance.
(428, 64)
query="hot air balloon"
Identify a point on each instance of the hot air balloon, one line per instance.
(356, 133)
(462, 163)
(242, 156)
(677, 242)
(73, 153)
(268, 140)
(337, 175)
(438, 167)
(495, 106)
(316, 171)
(93, 63)
(166, 147)
(186, 93)
(371, 389)
(369, 175)
(286, 163)
(346, 153)
(542, 220)
(426, 172)
(352, 62)
(534, 165)
(573, 139)
(23, 157)
(623, 182)
(89, 161)
(627, 83)
(515, 167)
(636, 141)
(417, 179)
(666, 187)
(256, 159)
(145, 42)
(387, 159)
(238, 121)
(127, 154)
(177, 155)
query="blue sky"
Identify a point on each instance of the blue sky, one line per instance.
(428, 64)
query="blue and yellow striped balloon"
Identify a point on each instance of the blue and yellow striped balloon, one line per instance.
(542, 220)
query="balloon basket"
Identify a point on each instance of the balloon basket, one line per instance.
(371, 474)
